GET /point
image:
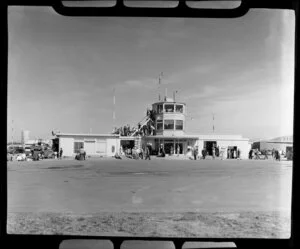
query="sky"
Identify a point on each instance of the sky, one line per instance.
(62, 72)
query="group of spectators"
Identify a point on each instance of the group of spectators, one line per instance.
(233, 153)
(142, 129)
(142, 153)
(125, 130)
(256, 154)
(194, 153)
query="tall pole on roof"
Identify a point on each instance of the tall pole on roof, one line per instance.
(12, 132)
(159, 83)
(166, 93)
(213, 117)
(114, 108)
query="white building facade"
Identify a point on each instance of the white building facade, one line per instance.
(170, 132)
(93, 144)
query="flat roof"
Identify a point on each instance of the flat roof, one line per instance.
(172, 137)
(86, 135)
(168, 102)
(211, 137)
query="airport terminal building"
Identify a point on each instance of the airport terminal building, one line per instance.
(284, 143)
(169, 121)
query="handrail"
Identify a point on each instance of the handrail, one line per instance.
(147, 120)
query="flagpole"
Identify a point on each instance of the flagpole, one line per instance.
(159, 83)
(213, 123)
(12, 132)
(114, 109)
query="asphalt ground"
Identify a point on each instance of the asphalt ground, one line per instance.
(157, 198)
(99, 185)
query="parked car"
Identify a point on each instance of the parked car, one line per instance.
(48, 153)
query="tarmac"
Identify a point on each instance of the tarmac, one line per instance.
(159, 185)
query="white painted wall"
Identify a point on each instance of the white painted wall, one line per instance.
(67, 144)
(112, 142)
(90, 147)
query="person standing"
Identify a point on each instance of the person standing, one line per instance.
(273, 153)
(147, 153)
(265, 153)
(196, 153)
(213, 152)
(239, 154)
(277, 155)
(217, 151)
(234, 154)
(82, 153)
(60, 153)
(203, 153)
(250, 154)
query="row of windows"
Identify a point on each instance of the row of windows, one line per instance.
(169, 124)
(169, 108)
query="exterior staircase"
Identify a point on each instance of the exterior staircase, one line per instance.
(144, 121)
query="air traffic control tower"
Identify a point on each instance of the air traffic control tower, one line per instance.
(170, 117)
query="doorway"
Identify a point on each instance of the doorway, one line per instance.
(127, 146)
(232, 152)
(179, 148)
(209, 145)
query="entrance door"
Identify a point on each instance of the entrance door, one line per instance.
(169, 148)
(209, 146)
(232, 152)
(180, 147)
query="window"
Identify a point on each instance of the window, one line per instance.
(169, 124)
(77, 146)
(169, 108)
(179, 125)
(159, 108)
(159, 124)
(179, 108)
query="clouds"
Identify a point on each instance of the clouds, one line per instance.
(234, 68)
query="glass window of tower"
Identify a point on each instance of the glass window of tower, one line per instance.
(169, 124)
(169, 108)
(159, 108)
(179, 125)
(159, 124)
(179, 108)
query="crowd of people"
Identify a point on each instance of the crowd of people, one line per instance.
(256, 154)
(195, 154)
(140, 153)
(145, 129)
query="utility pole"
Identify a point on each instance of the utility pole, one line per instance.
(12, 132)
(159, 83)
(114, 109)
(174, 95)
(213, 117)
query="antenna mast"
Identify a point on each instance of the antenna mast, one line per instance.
(159, 83)
(114, 109)
(12, 132)
(213, 117)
